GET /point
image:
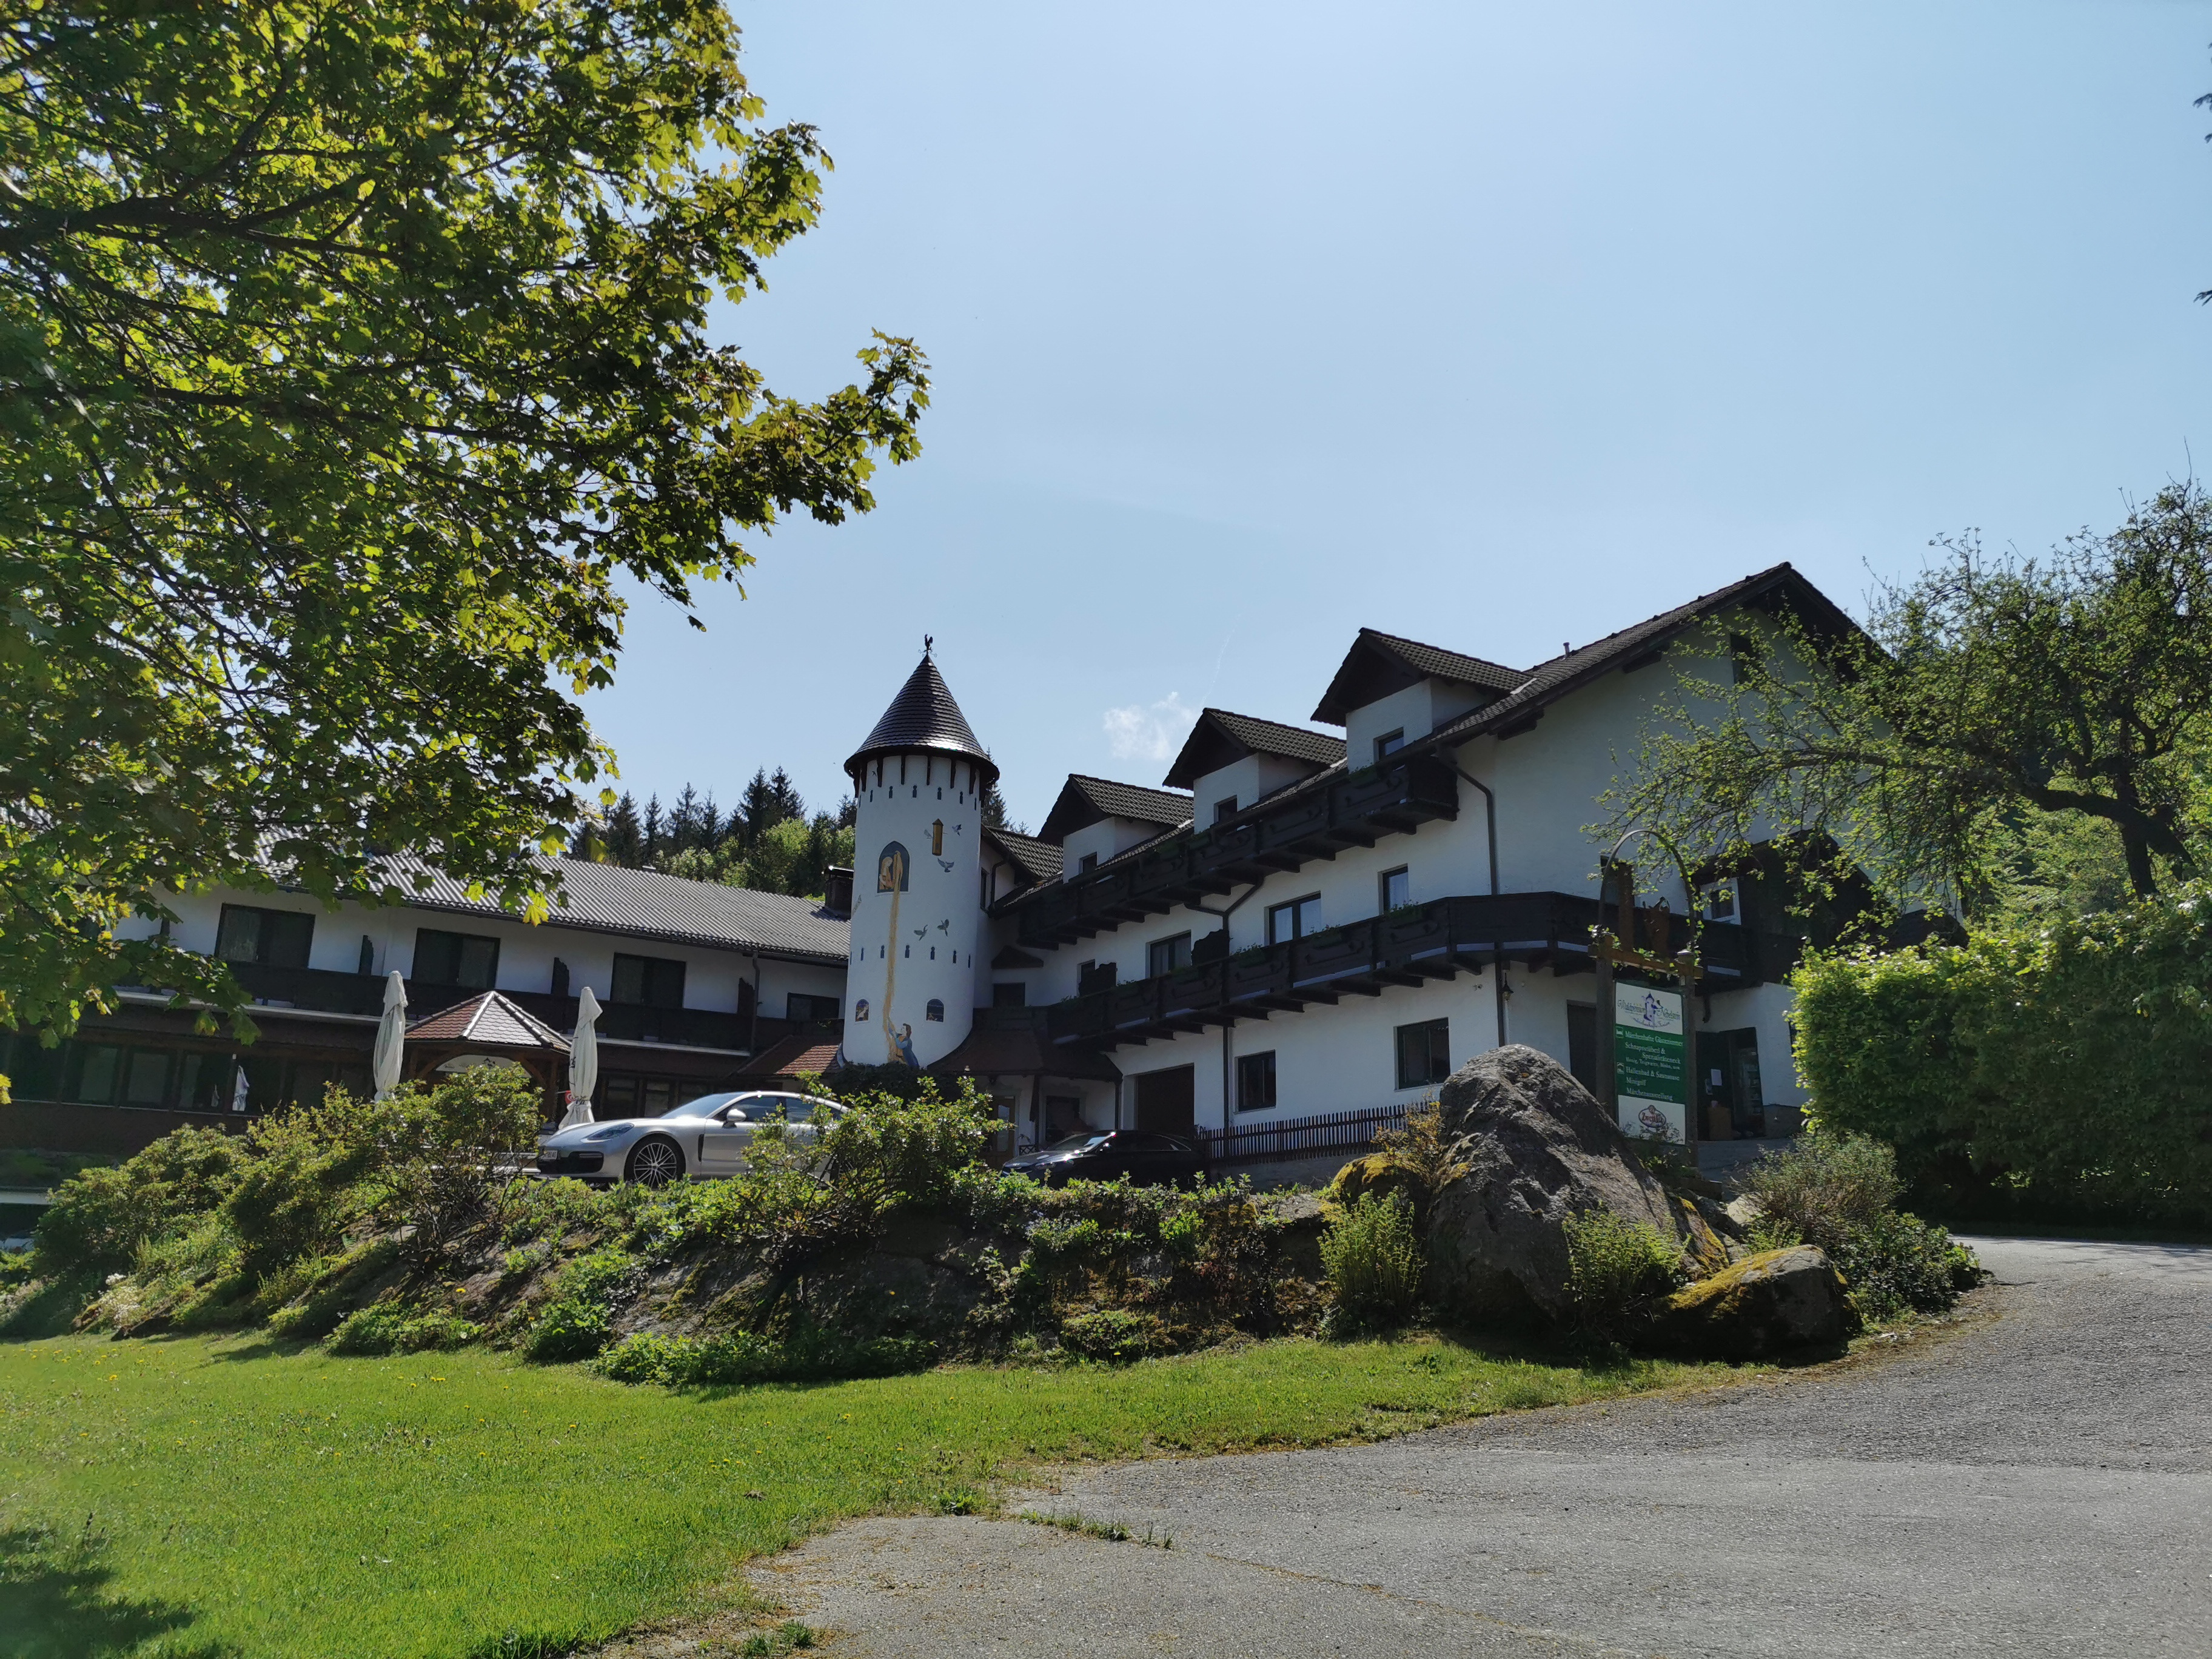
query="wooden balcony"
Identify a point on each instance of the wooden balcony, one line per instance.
(1421, 942)
(1355, 810)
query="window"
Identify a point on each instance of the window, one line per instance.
(651, 980)
(934, 1010)
(1397, 888)
(466, 959)
(1089, 862)
(1743, 657)
(1389, 743)
(1255, 1082)
(1010, 994)
(1164, 956)
(1719, 899)
(274, 938)
(1224, 809)
(1423, 1054)
(800, 1006)
(1293, 919)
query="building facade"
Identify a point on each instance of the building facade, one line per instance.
(1299, 922)
(697, 981)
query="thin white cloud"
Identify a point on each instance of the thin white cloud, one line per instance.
(1151, 731)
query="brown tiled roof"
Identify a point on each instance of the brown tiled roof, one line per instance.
(1218, 731)
(1006, 1042)
(1037, 859)
(1416, 661)
(1102, 798)
(487, 1021)
(1549, 680)
(790, 1057)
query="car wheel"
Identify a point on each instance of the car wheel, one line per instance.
(655, 1162)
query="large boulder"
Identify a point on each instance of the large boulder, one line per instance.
(1767, 1304)
(1536, 1148)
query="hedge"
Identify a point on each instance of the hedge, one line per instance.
(2064, 1070)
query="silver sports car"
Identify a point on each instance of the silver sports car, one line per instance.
(701, 1139)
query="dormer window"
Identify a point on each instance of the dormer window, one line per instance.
(1088, 863)
(1224, 809)
(1389, 743)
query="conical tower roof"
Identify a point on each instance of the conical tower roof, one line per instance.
(923, 716)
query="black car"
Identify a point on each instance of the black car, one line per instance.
(1146, 1157)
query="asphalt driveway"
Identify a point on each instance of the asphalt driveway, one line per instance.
(2039, 1484)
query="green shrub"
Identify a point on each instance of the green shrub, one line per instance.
(1824, 1189)
(392, 1328)
(742, 1357)
(1899, 1263)
(1613, 1265)
(1373, 1260)
(441, 1148)
(1114, 1334)
(2056, 1070)
(1839, 1193)
(101, 1217)
(313, 1175)
(576, 1323)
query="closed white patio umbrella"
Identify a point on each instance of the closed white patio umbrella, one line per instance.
(583, 1061)
(391, 1036)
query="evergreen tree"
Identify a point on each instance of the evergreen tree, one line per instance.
(655, 830)
(788, 802)
(683, 829)
(995, 810)
(622, 840)
(848, 813)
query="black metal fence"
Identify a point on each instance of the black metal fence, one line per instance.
(1301, 1137)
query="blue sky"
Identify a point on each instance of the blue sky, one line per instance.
(1499, 326)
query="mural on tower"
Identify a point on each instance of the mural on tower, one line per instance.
(891, 869)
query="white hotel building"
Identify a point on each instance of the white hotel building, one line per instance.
(1293, 924)
(1297, 923)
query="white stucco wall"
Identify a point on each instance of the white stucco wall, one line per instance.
(526, 952)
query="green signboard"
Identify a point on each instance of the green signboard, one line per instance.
(1647, 1061)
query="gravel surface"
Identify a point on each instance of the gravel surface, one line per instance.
(2037, 1484)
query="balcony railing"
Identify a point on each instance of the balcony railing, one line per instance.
(1355, 810)
(1421, 942)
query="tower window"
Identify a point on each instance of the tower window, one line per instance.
(934, 1010)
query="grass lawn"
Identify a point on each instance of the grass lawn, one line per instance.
(204, 1496)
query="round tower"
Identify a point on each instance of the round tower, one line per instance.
(918, 786)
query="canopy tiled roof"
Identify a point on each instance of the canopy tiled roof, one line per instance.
(1087, 799)
(646, 904)
(1220, 736)
(1406, 660)
(922, 716)
(488, 1021)
(791, 1057)
(1006, 1042)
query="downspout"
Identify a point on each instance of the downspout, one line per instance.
(1498, 964)
(752, 1026)
(1227, 1024)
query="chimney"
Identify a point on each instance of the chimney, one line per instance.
(837, 890)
